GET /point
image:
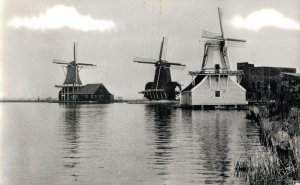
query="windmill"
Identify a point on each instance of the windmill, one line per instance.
(213, 85)
(162, 88)
(72, 81)
(218, 41)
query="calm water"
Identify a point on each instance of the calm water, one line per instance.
(43, 143)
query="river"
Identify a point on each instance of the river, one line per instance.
(48, 143)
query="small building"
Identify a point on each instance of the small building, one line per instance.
(95, 93)
(262, 82)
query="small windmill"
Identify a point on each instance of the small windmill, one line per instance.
(72, 81)
(163, 88)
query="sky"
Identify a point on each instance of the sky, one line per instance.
(111, 33)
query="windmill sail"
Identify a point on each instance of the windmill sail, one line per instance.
(60, 62)
(145, 60)
(75, 51)
(220, 11)
(85, 64)
(163, 49)
(236, 43)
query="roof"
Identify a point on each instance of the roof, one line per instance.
(196, 81)
(292, 74)
(271, 67)
(91, 89)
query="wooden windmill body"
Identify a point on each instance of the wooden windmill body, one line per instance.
(214, 85)
(162, 88)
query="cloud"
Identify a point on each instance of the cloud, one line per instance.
(61, 16)
(265, 18)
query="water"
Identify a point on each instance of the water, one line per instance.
(44, 143)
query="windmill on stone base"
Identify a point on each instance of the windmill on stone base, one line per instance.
(72, 81)
(213, 84)
(162, 88)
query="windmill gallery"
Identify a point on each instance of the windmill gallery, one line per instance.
(215, 85)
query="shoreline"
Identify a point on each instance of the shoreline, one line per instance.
(29, 101)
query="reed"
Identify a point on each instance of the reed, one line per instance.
(279, 161)
(265, 167)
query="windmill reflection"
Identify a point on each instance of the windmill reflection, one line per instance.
(215, 141)
(161, 116)
(71, 129)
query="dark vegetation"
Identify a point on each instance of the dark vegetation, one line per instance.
(279, 161)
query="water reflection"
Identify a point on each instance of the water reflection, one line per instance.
(161, 125)
(215, 147)
(71, 127)
(83, 130)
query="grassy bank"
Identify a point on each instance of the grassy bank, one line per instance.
(279, 162)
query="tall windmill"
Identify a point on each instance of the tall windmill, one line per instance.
(72, 81)
(162, 88)
(213, 84)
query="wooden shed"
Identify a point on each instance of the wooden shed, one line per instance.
(94, 93)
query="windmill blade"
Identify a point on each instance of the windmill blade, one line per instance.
(75, 51)
(236, 43)
(163, 49)
(145, 60)
(173, 64)
(220, 11)
(85, 64)
(209, 35)
(236, 40)
(60, 62)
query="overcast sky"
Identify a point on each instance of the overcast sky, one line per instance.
(111, 33)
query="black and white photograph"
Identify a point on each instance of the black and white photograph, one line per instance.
(149, 92)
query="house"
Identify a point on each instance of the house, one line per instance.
(94, 93)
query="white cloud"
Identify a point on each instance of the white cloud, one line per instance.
(61, 16)
(265, 18)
